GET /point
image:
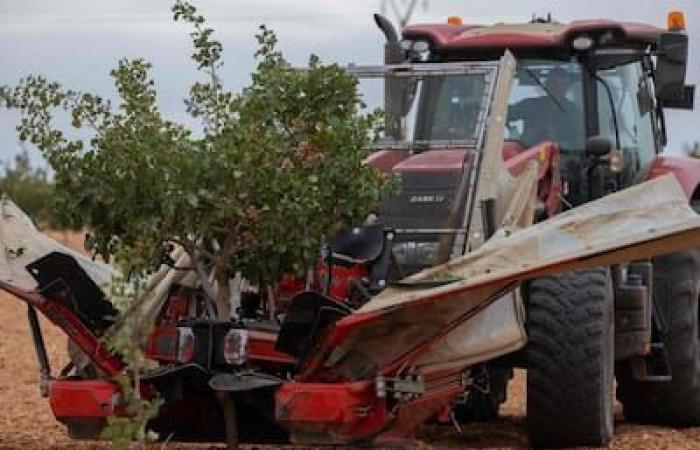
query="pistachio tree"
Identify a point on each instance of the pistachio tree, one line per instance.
(273, 169)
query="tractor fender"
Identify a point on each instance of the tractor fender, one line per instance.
(685, 169)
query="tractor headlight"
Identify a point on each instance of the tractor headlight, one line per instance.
(236, 347)
(416, 253)
(582, 43)
(420, 46)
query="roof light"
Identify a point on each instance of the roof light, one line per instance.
(420, 46)
(454, 20)
(582, 43)
(676, 21)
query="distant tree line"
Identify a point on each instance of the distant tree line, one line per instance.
(30, 188)
(693, 149)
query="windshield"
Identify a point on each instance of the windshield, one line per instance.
(451, 108)
(546, 104)
(430, 105)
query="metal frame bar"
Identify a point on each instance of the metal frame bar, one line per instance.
(40, 351)
(469, 145)
(430, 231)
(422, 69)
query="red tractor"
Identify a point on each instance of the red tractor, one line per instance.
(597, 89)
(484, 261)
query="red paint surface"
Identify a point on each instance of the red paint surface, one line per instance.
(686, 170)
(446, 37)
(330, 412)
(547, 157)
(340, 279)
(385, 160)
(434, 161)
(83, 398)
(67, 321)
(261, 349)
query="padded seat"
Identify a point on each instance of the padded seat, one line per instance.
(61, 277)
(358, 245)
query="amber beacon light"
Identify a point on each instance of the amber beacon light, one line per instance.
(676, 21)
(454, 20)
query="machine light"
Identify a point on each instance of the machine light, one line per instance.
(420, 46)
(454, 20)
(676, 21)
(582, 43)
(617, 161)
(236, 347)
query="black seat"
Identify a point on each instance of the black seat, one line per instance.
(308, 316)
(369, 244)
(61, 277)
(358, 245)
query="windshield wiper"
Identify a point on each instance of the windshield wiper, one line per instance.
(537, 79)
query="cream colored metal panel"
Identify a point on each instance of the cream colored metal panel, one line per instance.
(21, 243)
(644, 221)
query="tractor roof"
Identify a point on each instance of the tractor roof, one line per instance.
(534, 36)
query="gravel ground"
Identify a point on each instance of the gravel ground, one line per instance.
(26, 422)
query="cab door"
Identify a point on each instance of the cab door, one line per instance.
(626, 116)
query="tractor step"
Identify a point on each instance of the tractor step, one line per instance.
(654, 366)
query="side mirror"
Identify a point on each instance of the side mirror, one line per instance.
(671, 65)
(683, 99)
(598, 146)
(398, 91)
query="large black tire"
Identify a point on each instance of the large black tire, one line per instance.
(570, 356)
(675, 402)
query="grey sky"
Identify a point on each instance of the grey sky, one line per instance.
(77, 42)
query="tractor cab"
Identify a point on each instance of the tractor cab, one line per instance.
(595, 88)
(585, 98)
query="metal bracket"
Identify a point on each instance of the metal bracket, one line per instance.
(40, 349)
(654, 366)
(243, 381)
(401, 388)
(633, 310)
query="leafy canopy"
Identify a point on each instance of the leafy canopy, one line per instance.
(275, 167)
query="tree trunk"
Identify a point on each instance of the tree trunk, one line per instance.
(228, 405)
(223, 295)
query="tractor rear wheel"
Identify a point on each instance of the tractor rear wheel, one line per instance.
(570, 357)
(675, 402)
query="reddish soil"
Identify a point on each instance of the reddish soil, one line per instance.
(26, 421)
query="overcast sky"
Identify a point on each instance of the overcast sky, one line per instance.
(77, 42)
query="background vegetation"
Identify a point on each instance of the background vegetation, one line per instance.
(31, 188)
(693, 149)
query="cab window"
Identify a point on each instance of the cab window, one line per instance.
(625, 88)
(546, 104)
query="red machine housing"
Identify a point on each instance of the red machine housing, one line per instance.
(72, 400)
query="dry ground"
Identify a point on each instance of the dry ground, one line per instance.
(26, 422)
